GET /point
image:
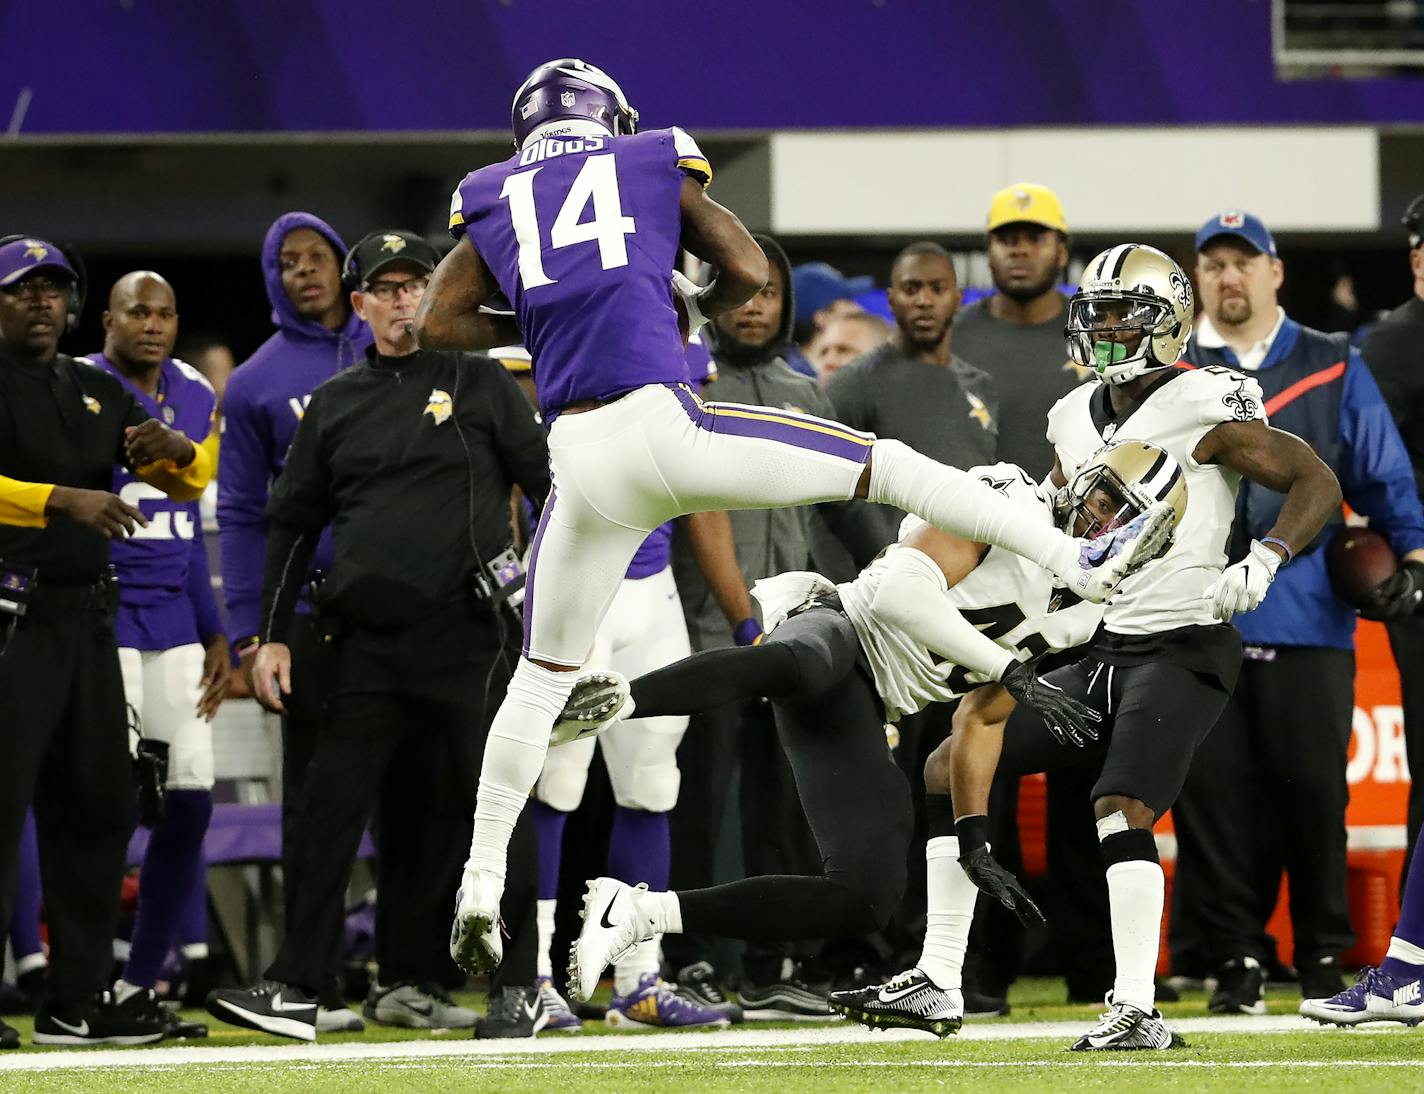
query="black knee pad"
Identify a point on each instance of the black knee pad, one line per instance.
(1134, 845)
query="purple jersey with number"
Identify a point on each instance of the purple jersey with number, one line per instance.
(582, 234)
(153, 565)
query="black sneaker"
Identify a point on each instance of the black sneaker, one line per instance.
(144, 1004)
(1240, 988)
(9, 1036)
(697, 983)
(978, 1004)
(911, 1000)
(269, 1007)
(101, 1022)
(784, 1000)
(1320, 979)
(513, 1013)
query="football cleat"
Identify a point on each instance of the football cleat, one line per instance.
(1375, 997)
(513, 1013)
(1104, 562)
(597, 701)
(653, 1004)
(611, 927)
(475, 943)
(910, 1000)
(269, 1007)
(562, 1019)
(1124, 1027)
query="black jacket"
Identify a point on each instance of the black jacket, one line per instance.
(411, 461)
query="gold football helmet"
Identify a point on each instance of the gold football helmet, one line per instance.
(1133, 475)
(1132, 313)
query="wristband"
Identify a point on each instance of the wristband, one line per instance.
(748, 632)
(973, 833)
(1282, 544)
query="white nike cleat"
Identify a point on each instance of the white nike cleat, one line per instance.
(612, 925)
(475, 943)
(597, 701)
(1123, 1027)
(1104, 562)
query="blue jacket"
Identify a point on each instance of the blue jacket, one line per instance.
(264, 402)
(1320, 389)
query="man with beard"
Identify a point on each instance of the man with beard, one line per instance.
(913, 388)
(1267, 789)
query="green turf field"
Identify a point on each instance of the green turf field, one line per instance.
(1004, 1054)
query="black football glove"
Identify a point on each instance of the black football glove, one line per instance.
(1070, 721)
(990, 876)
(1398, 595)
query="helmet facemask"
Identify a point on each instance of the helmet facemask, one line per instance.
(1113, 333)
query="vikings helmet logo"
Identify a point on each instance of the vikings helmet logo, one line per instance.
(978, 411)
(439, 406)
(36, 250)
(1023, 199)
(91, 404)
(392, 243)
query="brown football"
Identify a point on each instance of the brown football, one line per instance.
(1358, 559)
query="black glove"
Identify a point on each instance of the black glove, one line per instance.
(991, 878)
(1399, 595)
(1070, 721)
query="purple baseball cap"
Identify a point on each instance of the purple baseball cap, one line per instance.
(23, 257)
(1240, 225)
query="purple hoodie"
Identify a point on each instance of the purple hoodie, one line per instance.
(264, 402)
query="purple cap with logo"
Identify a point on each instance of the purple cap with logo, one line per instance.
(1241, 225)
(23, 257)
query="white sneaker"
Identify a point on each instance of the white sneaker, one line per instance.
(611, 927)
(475, 943)
(597, 701)
(1104, 562)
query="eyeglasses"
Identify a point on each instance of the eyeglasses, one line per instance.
(42, 287)
(386, 291)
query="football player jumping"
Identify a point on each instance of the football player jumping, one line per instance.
(1162, 667)
(579, 229)
(933, 617)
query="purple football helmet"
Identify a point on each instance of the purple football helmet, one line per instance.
(570, 89)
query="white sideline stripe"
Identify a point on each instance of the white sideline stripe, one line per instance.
(315, 1055)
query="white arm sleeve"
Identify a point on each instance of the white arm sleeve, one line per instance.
(913, 597)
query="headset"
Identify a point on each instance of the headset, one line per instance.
(78, 289)
(1413, 220)
(350, 272)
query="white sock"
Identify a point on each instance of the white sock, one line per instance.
(630, 969)
(661, 913)
(124, 990)
(30, 961)
(1408, 952)
(950, 907)
(959, 503)
(514, 756)
(544, 914)
(1135, 893)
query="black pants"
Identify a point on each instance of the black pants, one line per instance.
(1406, 638)
(313, 668)
(1268, 790)
(831, 726)
(64, 735)
(409, 706)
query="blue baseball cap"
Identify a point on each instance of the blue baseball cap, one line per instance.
(1241, 225)
(23, 257)
(818, 285)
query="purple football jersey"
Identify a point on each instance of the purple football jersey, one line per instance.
(155, 611)
(582, 234)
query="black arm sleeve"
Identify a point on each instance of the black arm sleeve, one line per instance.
(519, 439)
(289, 555)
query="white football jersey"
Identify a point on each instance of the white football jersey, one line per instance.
(1012, 600)
(1167, 592)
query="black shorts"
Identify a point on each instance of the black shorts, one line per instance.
(1156, 710)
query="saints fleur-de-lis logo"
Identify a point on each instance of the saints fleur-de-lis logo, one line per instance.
(1242, 406)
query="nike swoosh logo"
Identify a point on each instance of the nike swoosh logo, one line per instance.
(886, 997)
(81, 1030)
(421, 1008)
(281, 1006)
(605, 921)
(532, 1011)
